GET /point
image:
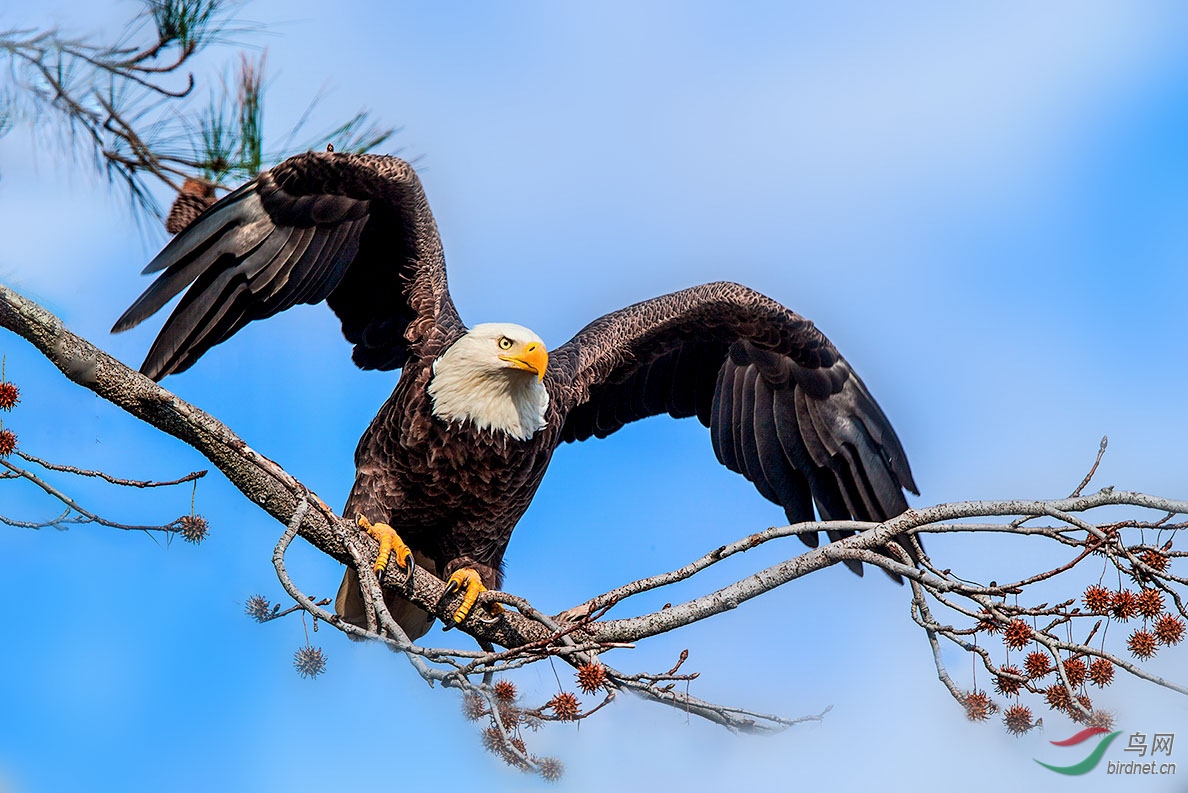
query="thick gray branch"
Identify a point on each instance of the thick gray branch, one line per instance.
(263, 482)
(279, 494)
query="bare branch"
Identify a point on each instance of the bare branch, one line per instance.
(1105, 441)
(115, 480)
(581, 635)
(72, 506)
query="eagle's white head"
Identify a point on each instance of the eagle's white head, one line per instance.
(493, 377)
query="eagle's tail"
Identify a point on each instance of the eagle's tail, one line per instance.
(350, 606)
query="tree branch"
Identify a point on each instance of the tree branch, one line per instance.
(260, 479)
(580, 635)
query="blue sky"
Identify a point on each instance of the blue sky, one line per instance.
(983, 208)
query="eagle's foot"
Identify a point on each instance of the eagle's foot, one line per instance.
(390, 543)
(471, 584)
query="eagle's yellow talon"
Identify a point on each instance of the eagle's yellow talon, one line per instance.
(471, 584)
(389, 542)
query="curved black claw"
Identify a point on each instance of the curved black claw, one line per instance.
(412, 569)
(452, 586)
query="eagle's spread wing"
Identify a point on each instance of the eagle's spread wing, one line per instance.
(784, 409)
(353, 230)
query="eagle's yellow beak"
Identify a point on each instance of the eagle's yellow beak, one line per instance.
(532, 357)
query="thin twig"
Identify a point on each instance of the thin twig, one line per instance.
(115, 480)
(1105, 440)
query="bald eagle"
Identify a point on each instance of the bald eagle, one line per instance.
(454, 457)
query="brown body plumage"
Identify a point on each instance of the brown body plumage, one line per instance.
(422, 476)
(783, 407)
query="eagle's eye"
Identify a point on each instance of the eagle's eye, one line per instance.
(505, 343)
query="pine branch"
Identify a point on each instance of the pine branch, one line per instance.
(131, 108)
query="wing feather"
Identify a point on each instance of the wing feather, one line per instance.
(353, 230)
(783, 408)
(230, 211)
(658, 383)
(216, 295)
(789, 485)
(735, 429)
(708, 357)
(723, 412)
(747, 433)
(681, 397)
(238, 241)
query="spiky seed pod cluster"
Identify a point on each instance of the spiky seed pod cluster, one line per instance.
(474, 707)
(509, 715)
(1169, 630)
(987, 623)
(1097, 599)
(1038, 664)
(1077, 715)
(979, 706)
(1142, 644)
(1150, 603)
(505, 691)
(493, 740)
(8, 442)
(1123, 604)
(1017, 719)
(591, 677)
(551, 769)
(1017, 634)
(258, 608)
(309, 661)
(1100, 718)
(565, 706)
(1056, 695)
(511, 758)
(1154, 559)
(9, 395)
(193, 528)
(511, 750)
(1076, 670)
(1008, 686)
(1101, 672)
